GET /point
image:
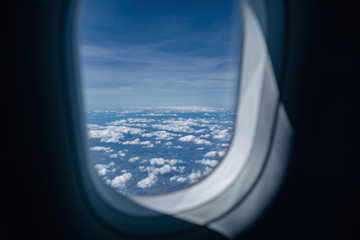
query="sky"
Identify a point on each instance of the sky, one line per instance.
(136, 53)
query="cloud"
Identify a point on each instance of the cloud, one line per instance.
(174, 127)
(121, 154)
(143, 120)
(158, 161)
(178, 179)
(140, 125)
(187, 138)
(118, 122)
(160, 135)
(181, 169)
(162, 170)
(201, 141)
(200, 130)
(147, 135)
(111, 134)
(106, 135)
(222, 134)
(205, 136)
(194, 139)
(133, 159)
(131, 120)
(222, 153)
(120, 181)
(100, 148)
(138, 142)
(148, 146)
(173, 161)
(211, 163)
(148, 181)
(164, 134)
(207, 171)
(125, 129)
(186, 72)
(133, 142)
(193, 109)
(211, 154)
(153, 114)
(194, 176)
(161, 161)
(165, 169)
(103, 168)
(102, 172)
(145, 143)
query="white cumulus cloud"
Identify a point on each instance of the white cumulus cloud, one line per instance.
(121, 154)
(100, 148)
(211, 154)
(133, 142)
(103, 168)
(133, 159)
(148, 181)
(192, 138)
(158, 161)
(205, 136)
(180, 179)
(120, 181)
(222, 153)
(106, 135)
(187, 138)
(211, 163)
(194, 176)
(201, 141)
(207, 170)
(161, 170)
(221, 134)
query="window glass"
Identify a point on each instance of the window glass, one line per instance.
(160, 82)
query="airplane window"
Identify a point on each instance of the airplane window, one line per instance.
(160, 80)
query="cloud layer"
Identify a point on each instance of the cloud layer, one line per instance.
(169, 148)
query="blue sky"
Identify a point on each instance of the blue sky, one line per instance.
(159, 53)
